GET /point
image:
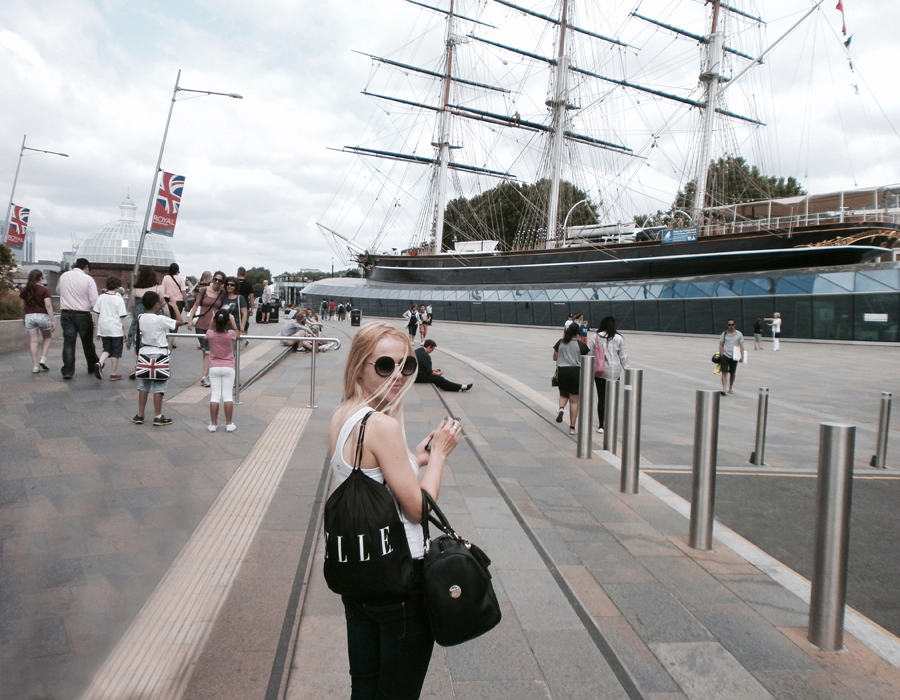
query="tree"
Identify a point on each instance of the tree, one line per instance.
(256, 275)
(7, 265)
(509, 210)
(732, 180)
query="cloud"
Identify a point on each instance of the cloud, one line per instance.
(95, 79)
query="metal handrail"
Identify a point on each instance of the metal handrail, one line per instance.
(284, 338)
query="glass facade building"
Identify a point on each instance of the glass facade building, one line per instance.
(856, 302)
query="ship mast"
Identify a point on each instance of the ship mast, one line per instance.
(444, 143)
(558, 106)
(711, 77)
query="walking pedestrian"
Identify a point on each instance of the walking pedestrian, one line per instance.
(611, 344)
(153, 327)
(567, 353)
(389, 645)
(174, 292)
(266, 309)
(412, 322)
(221, 339)
(37, 315)
(77, 296)
(424, 322)
(331, 309)
(757, 334)
(776, 330)
(245, 289)
(209, 300)
(111, 320)
(731, 351)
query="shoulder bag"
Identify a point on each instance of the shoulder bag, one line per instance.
(459, 596)
(366, 550)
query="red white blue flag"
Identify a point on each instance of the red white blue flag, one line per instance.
(18, 222)
(168, 200)
(151, 366)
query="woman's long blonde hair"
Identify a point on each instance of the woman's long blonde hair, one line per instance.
(364, 345)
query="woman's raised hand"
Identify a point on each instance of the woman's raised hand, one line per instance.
(421, 453)
(446, 437)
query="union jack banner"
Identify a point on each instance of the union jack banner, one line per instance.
(168, 201)
(152, 367)
(18, 222)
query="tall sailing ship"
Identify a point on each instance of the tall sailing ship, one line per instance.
(588, 72)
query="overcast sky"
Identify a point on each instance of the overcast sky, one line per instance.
(94, 78)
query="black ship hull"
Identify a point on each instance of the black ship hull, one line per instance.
(756, 251)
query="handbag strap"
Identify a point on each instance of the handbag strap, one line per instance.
(357, 462)
(441, 520)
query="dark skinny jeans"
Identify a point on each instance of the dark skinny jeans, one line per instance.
(389, 647)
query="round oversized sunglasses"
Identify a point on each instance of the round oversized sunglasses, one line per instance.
(385, 366)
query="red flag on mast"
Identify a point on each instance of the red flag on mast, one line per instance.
(168, 201)
(18, 222)
(840, 6)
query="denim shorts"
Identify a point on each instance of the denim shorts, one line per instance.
(37, 322)
(112, 345)
(153, 386)
(204, 343)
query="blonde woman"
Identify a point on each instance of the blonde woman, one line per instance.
(389, 642)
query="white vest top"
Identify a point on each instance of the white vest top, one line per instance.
(341, 470)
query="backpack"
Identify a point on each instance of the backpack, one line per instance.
(366, 550)
(599, 357)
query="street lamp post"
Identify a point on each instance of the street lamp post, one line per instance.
(162, 147)
(16, 180)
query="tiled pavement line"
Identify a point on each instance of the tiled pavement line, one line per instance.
(878, 639)
(155, 658)
(195, 392)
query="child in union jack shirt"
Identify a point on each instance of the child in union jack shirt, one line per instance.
(154, 344)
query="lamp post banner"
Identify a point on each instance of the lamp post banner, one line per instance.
(18, 222)
(168, 200)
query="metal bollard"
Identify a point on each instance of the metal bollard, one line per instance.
(757, 457)
(312, 375)
(237, 371)
(703, 489)
(833, 496)
(586, 407)
(611, 415)
(884, 424)
(631, 430)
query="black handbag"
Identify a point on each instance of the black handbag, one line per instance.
(456, 583)
(366, 550)
(554, 380)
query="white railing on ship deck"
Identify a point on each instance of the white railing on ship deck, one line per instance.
(791, 222)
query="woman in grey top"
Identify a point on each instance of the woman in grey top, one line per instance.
(615, 357)
(567, 352)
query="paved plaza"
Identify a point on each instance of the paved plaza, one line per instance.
(176, 563)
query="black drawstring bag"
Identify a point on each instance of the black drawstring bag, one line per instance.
(459, 596)
(366, 550)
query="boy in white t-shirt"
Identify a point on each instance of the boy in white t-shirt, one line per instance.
(110, 321)
(153, 343)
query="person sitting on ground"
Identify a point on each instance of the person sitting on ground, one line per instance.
(292, 327)
(428, 375)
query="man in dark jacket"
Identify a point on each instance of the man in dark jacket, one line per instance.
(428, 375)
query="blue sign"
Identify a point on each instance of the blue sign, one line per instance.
(679, 235)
